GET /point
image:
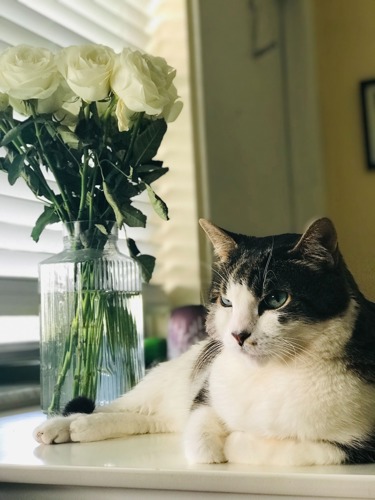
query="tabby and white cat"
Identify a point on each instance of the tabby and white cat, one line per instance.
(287, 375)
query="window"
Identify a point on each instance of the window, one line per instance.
(160, 28)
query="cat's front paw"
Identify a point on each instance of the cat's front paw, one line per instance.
(87, 428)
(204, 437)
(205, 450)
(53, 431)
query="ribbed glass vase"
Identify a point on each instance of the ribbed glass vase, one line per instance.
(91, 319)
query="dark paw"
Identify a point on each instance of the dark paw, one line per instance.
(80, 404)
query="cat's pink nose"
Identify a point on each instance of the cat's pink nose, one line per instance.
(241, 337)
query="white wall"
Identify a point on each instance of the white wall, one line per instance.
(345, 48)
(246, 175)
(251, 171)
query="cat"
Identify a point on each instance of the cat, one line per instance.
(286, 375)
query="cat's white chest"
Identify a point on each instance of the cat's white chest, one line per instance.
(249, 398)
(283, 401)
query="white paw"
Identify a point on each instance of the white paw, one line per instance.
(206, 450)
(204, 437)
(53, 431)
(89, 428)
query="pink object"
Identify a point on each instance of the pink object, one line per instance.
(186, 327)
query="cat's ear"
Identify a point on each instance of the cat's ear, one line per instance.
(319, 241)
(223, 243)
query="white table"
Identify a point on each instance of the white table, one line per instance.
(142, 467)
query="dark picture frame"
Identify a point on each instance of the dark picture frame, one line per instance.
(367, 91)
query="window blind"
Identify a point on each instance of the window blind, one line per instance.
(159, 27)
(54, 24)
(178, 257)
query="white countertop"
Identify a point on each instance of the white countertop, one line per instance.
(152, 463)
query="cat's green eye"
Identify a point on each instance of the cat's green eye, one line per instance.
(275, 299)
(225, 302)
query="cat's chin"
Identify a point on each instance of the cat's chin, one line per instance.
(252, 354)
(258, 358)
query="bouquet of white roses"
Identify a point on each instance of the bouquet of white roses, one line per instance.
(92, 118)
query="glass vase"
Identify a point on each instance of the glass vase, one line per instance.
(91, 319)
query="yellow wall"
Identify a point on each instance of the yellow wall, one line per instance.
(345, 55)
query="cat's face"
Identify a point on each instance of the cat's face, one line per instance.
(275, 297)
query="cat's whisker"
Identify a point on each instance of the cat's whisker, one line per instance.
(219, 272)
(311, 358)
(286, 354)
(285, 349)
(280, 357)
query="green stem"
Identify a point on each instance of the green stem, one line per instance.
(67, 359)
(85, 168)
(83, 173)
(102, 327)
(82, 340)
(44, 157)
(107, 117)
(135, 132)
(60, 209)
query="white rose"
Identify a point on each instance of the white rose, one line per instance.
(123, 115)
(43, 106)
(62, 95)
(4, 101)
(163, 76)
(68, 114)
(87, 70)
(145, 84)
(28, 72)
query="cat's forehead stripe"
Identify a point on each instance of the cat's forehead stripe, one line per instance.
(238, 271)
(251, 269)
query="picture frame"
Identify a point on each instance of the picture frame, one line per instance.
(367, 92)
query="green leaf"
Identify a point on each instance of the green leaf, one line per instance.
(120, 140)
(50, 129)
(16, 168)
(149, 167)
(88, 132)
(16, 131)
(114, 176)
(48, 216)
(124, 212)
(132, 216)
(12, 134)
(133, 249)
(33, 181)
(102, 229)
(147, 263)
(69, 137)
(112, 202)
(147, 143)
(150, 177)
(4, 164)
(159, 206)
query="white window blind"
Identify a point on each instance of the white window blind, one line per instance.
(178, 257)
(157, 26)
(53, 24)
